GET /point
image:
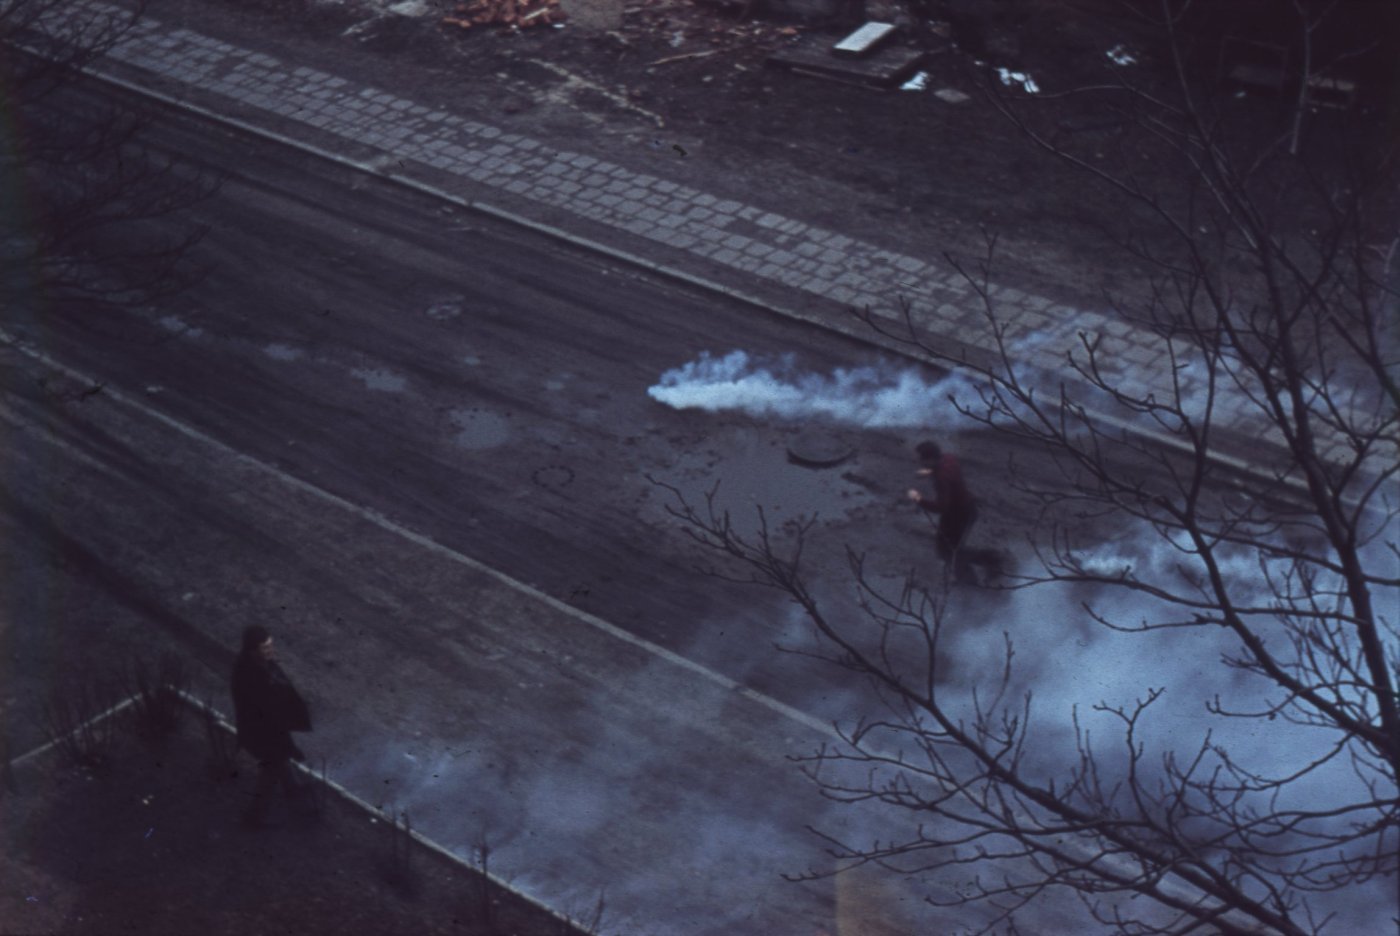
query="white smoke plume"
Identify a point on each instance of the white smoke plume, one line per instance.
(878, 396)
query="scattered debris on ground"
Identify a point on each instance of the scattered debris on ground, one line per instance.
(516, 14)
(867, 57)
(693, 30)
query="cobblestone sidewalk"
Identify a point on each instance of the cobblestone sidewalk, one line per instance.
(818, 274)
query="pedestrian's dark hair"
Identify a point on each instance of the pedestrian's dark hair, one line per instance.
(254, 636)
(929, 452)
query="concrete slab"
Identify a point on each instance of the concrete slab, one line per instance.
(818, 450)
(884, 68)
(864, 40)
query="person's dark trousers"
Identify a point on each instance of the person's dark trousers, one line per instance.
(952, 529)
(272, 774)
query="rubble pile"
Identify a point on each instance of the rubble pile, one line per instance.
(691, 24)
(516, 14)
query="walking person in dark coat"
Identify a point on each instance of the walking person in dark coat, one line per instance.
(952, 501)
(267, 709)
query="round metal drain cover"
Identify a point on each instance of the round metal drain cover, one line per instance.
(818, 450)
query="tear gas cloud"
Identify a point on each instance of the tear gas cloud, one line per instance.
(878, 396)
(875, 396)
(1195, 383)
(1071, 664)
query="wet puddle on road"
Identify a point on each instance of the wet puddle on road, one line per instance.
(179, 327)
(282, 352)
(380, 379)
(479, 428)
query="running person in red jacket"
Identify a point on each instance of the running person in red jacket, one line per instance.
(952, 501)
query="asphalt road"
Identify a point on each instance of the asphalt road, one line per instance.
(485, 388)
(416, 444)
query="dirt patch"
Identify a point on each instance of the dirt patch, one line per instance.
(152, 843)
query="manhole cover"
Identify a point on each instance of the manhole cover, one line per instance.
(447, 307)
(818, 450)
(553, 476)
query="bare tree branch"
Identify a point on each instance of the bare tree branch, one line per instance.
(1267, 309)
